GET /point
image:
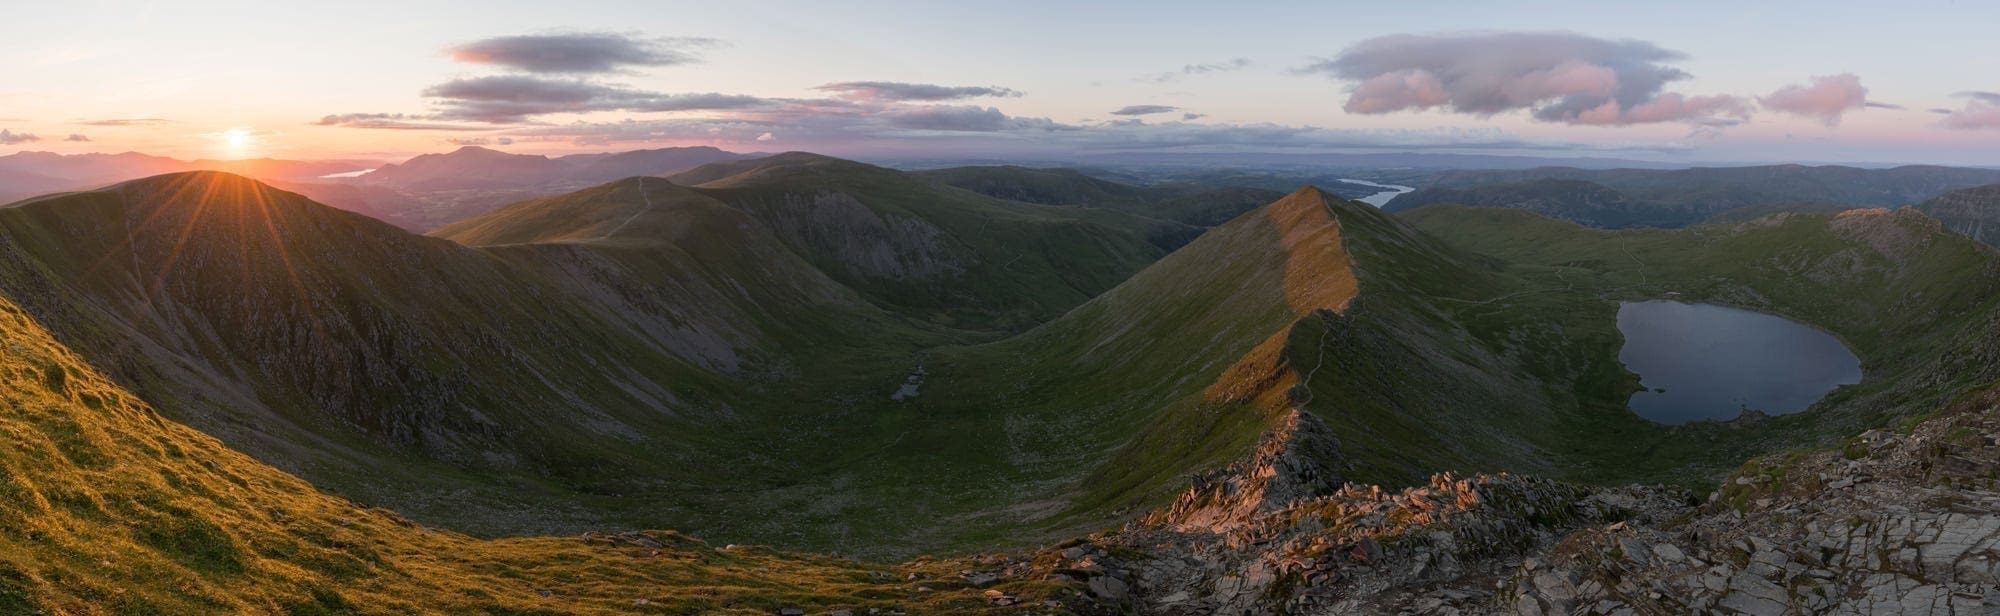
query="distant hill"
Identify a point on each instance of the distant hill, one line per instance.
(1586, 203)
(474, 167)
(1187, 203)
(27, 174)
(1974, 212)
(1674, 198)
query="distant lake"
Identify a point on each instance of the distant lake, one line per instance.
(347, 174)
(1389, 191)
(1713, 361)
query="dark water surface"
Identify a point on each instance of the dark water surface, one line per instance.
(1714, 361)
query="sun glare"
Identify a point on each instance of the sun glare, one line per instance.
(237, 140)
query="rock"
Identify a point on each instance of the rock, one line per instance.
(1367, 551)
(1072, 553)
(1668, 553)
(792, 611)
(840, 613)
(545, 592)
(980, 578)
(1109, 588)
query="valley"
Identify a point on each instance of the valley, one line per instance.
(831, 357)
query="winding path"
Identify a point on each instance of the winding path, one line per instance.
(635, 215)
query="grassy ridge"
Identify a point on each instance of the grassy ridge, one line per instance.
(109, 508)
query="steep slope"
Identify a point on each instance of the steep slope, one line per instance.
(111, 508)
(1187, 365)
(955, 257)
(365, 357)
(1974, 212)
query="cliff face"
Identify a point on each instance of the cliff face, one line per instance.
(1974, 212)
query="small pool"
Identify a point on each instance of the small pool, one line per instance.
(1701, 361)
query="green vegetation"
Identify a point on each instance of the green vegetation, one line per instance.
(1622, 198)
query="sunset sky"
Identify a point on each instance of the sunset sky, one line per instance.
(1721, 81)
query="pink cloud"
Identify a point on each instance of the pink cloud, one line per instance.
(1555, 76)
(1981, 112)
(1412, 89)
(1826, 99)
(1669, 107)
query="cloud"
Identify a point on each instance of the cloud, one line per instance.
(767, 136)
(1193, 116)
(886, 91)
(984, 130)
(390, 121)
(1198, 69)
(1826, 98)
(126, 122)
(1981, 111)
(1556, 76)
(506, 99)
(76, 137)
(1882, 105)
(1139, 110)
(8, 137)
(465, 141)
(962, 118)
(580, 52)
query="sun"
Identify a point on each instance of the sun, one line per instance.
(237, 139)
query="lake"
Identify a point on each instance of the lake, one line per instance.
(1712, 361)
(1389, 191)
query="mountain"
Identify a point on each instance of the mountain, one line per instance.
(1969, 211)
(1185, 203)
(1587, 203)
(647, 162)
(469, 167)
(1051, 186)
(772, 350)
(1675, 198)
(1398, 160)
(623, 346)
(965, 259)
(474, 167)
(26, 174)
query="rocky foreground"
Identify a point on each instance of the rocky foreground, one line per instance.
(1890, 523)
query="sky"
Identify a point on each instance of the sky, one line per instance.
(1913, 82)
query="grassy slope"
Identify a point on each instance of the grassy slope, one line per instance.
(109, 508)
(305, 336)
(1915, 303)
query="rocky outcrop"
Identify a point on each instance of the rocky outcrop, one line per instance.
(1292, 463)
(1888, 524)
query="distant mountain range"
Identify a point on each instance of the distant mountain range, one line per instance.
(27, 174)
(473, 167)
(1618, 198)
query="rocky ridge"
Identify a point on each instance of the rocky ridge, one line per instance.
(1890, 523)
